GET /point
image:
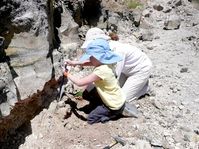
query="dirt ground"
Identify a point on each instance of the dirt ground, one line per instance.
(168, 118)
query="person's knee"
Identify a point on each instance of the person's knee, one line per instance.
(99, 114)
(91, 119)
(85, 94)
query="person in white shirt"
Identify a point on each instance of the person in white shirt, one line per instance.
(132, 72)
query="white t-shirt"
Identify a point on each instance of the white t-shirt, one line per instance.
(133, 61)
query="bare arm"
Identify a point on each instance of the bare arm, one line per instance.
(83, 81)
(74, 63)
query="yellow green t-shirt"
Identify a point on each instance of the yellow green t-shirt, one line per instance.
(108, 88)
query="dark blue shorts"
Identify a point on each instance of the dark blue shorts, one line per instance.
(100, 112)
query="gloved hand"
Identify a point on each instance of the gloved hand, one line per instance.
(65, 70)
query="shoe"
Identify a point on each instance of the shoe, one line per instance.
(130, 111)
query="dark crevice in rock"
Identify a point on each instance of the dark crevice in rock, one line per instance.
(3, 96)
(51, 29)
(54, 21)
(76, 10)
(85, 12)
(58, 10)
(4, 58)
(2, 52)
(92, 11)
(53, 34)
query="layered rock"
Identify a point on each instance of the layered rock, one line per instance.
(29, 58)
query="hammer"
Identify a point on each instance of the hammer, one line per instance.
(117, 139)
(61, 90)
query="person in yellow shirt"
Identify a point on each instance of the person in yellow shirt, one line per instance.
(133, 71)
(111, 101)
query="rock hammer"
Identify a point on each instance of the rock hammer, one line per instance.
(117, 140)
(61, 89)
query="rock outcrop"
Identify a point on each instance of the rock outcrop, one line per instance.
(30, 37)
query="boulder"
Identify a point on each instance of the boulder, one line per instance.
(172, 23)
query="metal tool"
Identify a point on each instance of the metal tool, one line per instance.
(61, 89)
(117, 140)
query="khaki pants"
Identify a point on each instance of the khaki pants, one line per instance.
(135, 85)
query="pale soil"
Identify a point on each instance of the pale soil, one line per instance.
(167, 120)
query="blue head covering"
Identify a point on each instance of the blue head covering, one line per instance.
(99, 48)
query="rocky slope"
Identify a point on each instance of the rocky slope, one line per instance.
(167, 30)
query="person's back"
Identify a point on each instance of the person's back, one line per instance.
(133, 71)
(134, 59)
(108, 88)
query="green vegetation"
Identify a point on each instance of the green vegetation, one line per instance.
(78, 94)
(132, 4)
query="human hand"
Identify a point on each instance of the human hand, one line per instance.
(66, 73)
(65, 70)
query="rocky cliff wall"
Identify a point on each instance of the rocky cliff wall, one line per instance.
(29, 57)
(37, 35)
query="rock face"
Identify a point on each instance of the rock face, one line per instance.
(29, 39)
(25, 29)
(26, 63)
(37, 35)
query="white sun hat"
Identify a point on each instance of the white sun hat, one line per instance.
(92, 34)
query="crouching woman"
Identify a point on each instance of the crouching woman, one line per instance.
(112, 99)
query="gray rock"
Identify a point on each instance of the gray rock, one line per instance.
(158, 7)
(5, 109)
(2, 84)
(137, 14)
(187, 137)
(146, 13)
(196, 100)
(156, 103)
(170, 140)
(147, 35)
(11, 98)
(53, 107)
(177, 3)
(156, 142)
(183, 70)
(167, 9)
(185, 128)
(23, 82)
(196, 131)
(172, 23)
(69, 28)
(142, 144)
(178, 137)
(147, 23)
(113, 19)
